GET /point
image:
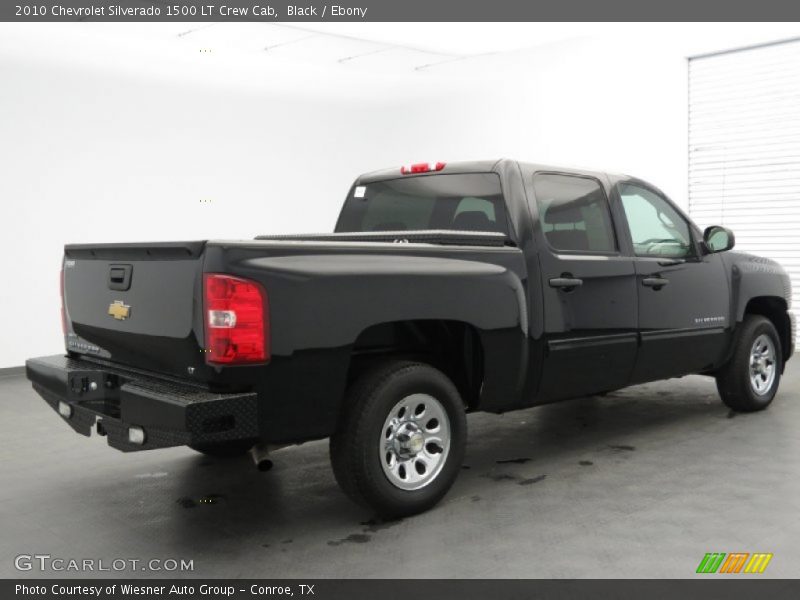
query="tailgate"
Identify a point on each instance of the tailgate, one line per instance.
(136, 304)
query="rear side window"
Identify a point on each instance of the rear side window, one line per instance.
(463, 202)
(574, 213)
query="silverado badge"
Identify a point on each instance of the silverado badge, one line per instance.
(119, 310)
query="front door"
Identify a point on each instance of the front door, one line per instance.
(589, 289)
(684, 313)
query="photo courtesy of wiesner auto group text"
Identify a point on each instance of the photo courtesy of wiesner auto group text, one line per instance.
(376, 299)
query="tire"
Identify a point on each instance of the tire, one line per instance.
(389, 456)
(750, 379)
(230, 449)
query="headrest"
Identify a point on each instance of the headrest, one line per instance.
(563, 213)
(473, 220)
(390, 226)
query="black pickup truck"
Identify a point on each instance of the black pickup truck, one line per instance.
(479, 286)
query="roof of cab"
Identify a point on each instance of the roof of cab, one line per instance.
(477, 166)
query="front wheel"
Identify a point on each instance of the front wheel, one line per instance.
(401, 439)
(749, 381)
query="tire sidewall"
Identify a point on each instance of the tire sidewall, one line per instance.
(761, 327)
(424, 380)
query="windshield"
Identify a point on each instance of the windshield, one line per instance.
(466, 202)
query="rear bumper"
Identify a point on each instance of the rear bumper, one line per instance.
(113, 399)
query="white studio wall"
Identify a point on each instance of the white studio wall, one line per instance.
(106, 137)
(95, 154)
(744, 143)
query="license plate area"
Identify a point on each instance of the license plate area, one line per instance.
(96, 390)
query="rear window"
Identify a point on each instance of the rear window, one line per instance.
(466, 202)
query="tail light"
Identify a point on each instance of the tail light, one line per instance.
(421, 168)
(63, 304)
(235, 327)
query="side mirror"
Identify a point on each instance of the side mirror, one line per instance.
(718, 239)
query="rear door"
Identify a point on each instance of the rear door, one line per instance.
(683, 306)
(589, 288)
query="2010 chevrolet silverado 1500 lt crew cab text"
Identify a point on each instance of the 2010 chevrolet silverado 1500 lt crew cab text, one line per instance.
(479, 286)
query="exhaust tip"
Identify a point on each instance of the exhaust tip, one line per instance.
(260, 454)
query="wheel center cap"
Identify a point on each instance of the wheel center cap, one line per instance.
(408, 442)
(415, 443)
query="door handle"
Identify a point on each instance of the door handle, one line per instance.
(566, 283)
(671, 262)
(655, 282)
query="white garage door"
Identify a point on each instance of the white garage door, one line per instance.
(744, 149)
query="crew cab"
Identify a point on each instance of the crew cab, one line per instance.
(445, 289)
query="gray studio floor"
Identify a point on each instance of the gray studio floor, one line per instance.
(641, 483)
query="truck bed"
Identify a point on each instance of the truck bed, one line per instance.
(152, 318)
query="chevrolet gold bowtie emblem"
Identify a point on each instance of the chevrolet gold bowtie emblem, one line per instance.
(118, 310)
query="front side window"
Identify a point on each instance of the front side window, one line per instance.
(574, 213)
(656, 227)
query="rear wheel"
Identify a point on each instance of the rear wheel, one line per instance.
(401, 440)
(750, 379)
(229, 449)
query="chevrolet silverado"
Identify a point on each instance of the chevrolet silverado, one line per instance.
(445, 289)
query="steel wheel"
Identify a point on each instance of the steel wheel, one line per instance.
(401, 440)
(762, 364)
(750, 378)
(414, 442)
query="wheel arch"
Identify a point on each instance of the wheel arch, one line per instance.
(454, 347)
(775, 309)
